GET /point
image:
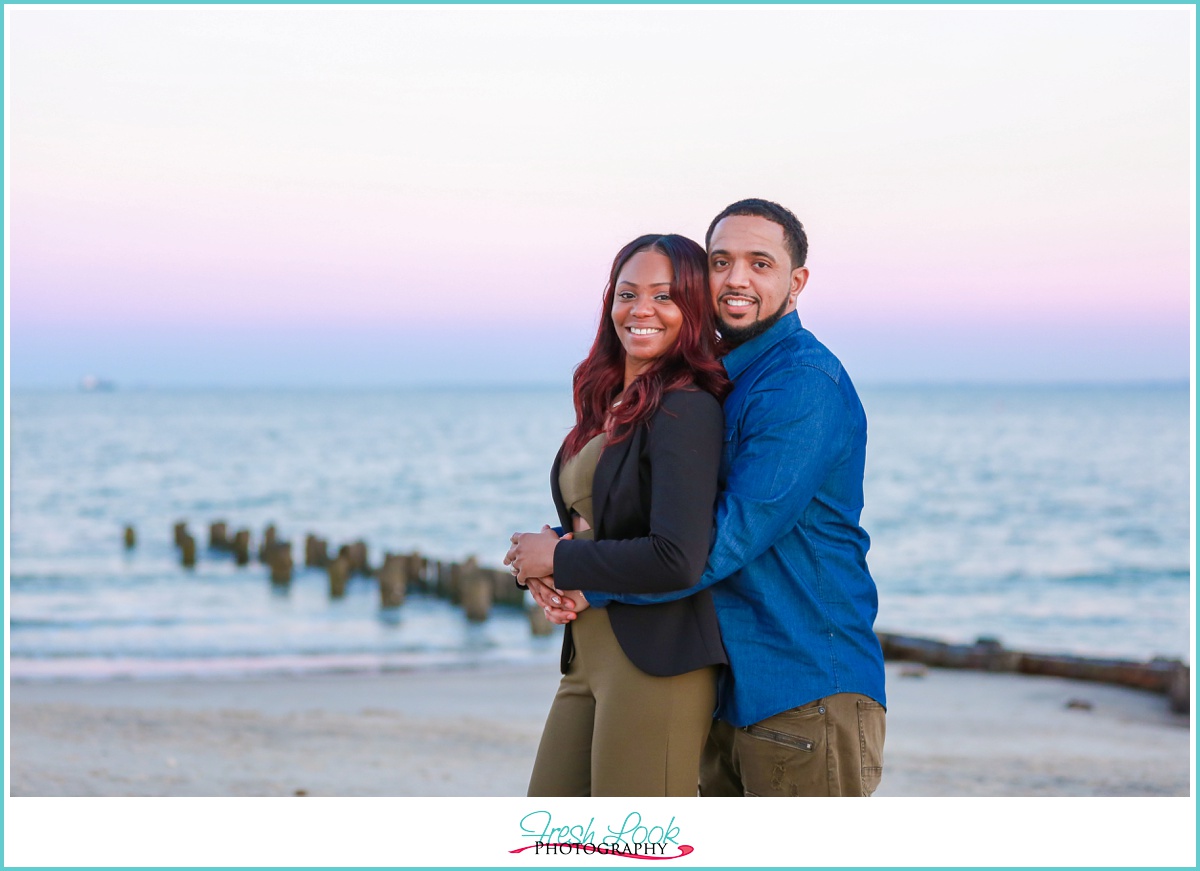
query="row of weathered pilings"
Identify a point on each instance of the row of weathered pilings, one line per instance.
(1171, 677)
(476, 589)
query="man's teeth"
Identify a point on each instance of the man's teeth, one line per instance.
(738, 302)
(644, 331)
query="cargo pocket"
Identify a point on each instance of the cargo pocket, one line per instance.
(784, 755)
(782, 738)
(871, 730)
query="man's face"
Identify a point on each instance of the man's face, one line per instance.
(751, 277)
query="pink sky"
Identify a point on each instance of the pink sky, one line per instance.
(442, 189)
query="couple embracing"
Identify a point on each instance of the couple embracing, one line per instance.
(711, 571)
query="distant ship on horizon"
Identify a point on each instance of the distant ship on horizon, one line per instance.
(94, 383)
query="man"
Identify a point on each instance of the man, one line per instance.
(800, 710)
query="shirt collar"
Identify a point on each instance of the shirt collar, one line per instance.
(740, 358)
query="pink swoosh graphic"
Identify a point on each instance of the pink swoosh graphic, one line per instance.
(684, 850)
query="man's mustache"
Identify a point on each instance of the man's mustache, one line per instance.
(738, 294)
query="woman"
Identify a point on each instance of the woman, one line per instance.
(636, 482)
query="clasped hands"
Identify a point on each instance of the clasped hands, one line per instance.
(531, 559)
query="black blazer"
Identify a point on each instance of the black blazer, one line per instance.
(653, 499)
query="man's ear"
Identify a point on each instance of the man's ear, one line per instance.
(799, 279)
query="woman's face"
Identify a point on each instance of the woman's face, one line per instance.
(646, 319)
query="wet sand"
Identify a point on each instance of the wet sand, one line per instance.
(474, 733)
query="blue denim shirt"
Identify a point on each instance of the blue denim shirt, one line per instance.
(796, 603)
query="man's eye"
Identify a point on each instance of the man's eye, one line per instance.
(720, 264)
(761, 264)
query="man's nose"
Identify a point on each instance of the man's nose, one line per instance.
(738, 275)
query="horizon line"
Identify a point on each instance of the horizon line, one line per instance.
(114, 387)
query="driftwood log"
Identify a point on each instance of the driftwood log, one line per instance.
(1170, 677)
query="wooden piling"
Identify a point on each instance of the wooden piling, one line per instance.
(280, 560)
(180, 532)
(241, 547)
(355, 554)
(358, 558)
(187, 548)
(454, 583)
(316, 551)
(218, 535)
(130, 538)
(504, 588)
(393, 582)
(443, 579)
(268, 542)
(339, 573)
(476, 591)
(538, 622)
(415, 569)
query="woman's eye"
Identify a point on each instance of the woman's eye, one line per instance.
(663, 297)
(625, 295)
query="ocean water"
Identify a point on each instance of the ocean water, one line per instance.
(1056, 519)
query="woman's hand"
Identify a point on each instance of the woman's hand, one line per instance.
(544, 592)
(532, 554)
(572, 603)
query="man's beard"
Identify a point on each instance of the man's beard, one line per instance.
(732, 336)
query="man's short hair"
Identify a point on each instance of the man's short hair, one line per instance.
(793, 231)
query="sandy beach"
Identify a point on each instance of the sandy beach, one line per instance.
(473, 732)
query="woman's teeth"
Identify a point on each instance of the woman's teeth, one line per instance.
(644, 331)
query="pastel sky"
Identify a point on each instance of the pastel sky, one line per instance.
(422, 195)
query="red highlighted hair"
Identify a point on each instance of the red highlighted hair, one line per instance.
(691, 362)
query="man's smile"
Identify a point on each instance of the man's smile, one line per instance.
(736, 303)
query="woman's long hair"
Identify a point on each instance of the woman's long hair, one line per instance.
(692, 360)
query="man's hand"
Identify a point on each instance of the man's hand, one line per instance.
(532, 554)
(512, 550)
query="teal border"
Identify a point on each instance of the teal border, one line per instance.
(602, 3)
(4, 404)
